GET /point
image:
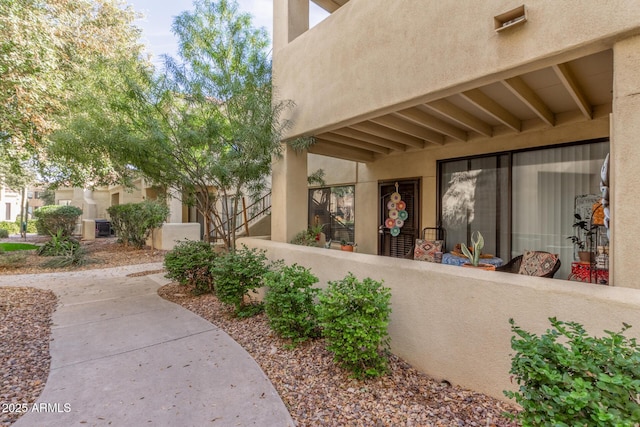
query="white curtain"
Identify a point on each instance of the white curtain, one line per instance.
(545, 184)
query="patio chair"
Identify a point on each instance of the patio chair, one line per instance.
(537, 263)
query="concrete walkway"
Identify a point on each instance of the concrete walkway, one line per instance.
(123, 356)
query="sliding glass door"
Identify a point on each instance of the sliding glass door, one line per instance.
(522, 200)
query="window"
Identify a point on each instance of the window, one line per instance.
(333, 208)
(520, 200)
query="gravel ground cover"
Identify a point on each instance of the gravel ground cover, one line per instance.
(318, 393)
(314, 389)
(25, 328)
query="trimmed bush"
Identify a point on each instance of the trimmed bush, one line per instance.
(189, 263)
(354, 317)
(567, 378)
(133, 222)
(56, 218)
(236, 275)
(3, 233)
(289, 303)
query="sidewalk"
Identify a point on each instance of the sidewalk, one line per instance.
(123, 356)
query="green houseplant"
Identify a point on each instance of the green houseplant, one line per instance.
(477, 243)
(583, 238)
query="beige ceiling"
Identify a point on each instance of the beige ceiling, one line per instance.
(577, 90)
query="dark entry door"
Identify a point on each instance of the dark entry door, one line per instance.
(400, 245)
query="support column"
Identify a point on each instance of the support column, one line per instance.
(290, 19)
(175, 206)
(623, 170)
(289, 189)
(289, 195)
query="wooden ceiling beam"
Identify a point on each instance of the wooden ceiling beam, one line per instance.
(492, 108)
(423, 118)
(460, 116)
(387, 134)
(575, 91)
(371, 139)
(520, 89)
(395, 122)
(352, 142)
(330, 149)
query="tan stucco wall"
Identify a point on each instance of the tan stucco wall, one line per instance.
(625, 156)
(370, 56)
(452, 322)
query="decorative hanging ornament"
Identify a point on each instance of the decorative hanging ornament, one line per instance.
(395, 231)
(391, 205)
(399, 223)
(395, 197)
(401, 205)
(393, 213)
(403, 215)
(390, 223)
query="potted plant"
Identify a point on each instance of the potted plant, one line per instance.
(583, 238)
(473, 254)
(312, 236)
(347, 246)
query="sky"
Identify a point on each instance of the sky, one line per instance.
(159, 14)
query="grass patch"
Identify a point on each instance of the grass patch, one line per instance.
(10, 247)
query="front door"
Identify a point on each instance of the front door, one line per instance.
(398, 242)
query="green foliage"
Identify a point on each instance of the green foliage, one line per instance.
(289, 303)
(189, 262)
(477, 243)
(354, 316)
(12, 260)
(237, 274)
(13, 227)
(3, 233)
(47, 51)
(568, 378)
(133, 222)
(64, 252)
(73, 256)
(59, 245)
(308, 237)
(57, 219)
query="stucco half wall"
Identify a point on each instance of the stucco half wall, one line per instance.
(453, 323)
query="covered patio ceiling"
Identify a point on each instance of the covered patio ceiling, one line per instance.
(330, 5)
(580, 89)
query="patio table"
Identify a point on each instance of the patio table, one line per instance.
(451, 259)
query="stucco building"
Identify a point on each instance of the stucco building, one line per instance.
(492, 116)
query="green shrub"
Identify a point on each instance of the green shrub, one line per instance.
(189, 263)
(289, 303)
(354, 317)
(133, 222)
(73, 256)
(56, 218)
(579, 381)
(3, 233)
(10, 227)
(237, 274)
(59, 245)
